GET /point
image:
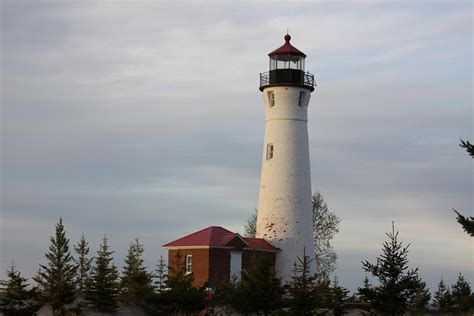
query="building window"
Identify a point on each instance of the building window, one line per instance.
(301, 99)
(271, 99)
(269, 151)
(189, 264)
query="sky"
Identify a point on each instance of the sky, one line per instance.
(144, 119)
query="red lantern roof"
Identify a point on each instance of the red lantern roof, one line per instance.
(287, 49)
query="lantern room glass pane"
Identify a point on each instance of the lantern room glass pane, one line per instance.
(281, 64)
(294, 64)
(273, 64)
(287, 62)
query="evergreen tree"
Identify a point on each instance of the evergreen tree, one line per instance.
(366, 288)
(251, 226)
(340, 298)
(364, 302)
(323, 290)
(325, 227)
(16, 298)
(468, 146)
(224, 295)
(102, 290)
(83, 263)
(182, 296)
(259, 291)
(135, 284)
(443, 298)
(397, 284)
(160, 275)
(420, 300)
(302, 288)
(461, 294)
(57, 279)
(466, 222)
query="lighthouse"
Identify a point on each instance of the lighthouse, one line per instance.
(285, 205)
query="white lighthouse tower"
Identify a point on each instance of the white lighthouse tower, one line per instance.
(284, 206)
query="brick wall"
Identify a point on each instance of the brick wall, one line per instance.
(219, 266)
(212, 266)
(200, 266)
(249, 258)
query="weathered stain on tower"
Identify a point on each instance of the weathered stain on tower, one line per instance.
(284, 207)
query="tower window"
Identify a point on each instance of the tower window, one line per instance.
(189, 264)
(301, 99)
(271, 99)
(269, 151)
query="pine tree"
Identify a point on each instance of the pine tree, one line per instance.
(366, 288)
(340, 298)
(16, 298)
(397, 284)
(160, 275)
(135, 284)
(260, 290)
(467, 223)
(468, 146)
(461, 294)
(102, 290)
(182, 296)
(364, 302)
(302, 288)
(83, 263)
(443, 298)
(57, 278)
(323, 290)
(251, 226)
(224, 295)
(420, 300)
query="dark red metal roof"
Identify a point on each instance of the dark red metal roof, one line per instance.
(210, 236)
(216, 236)
(260, 243)
(287, 49)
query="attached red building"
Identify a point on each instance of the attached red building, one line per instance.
(214, 254)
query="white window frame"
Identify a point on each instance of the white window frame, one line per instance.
(270, 151)
(271, 99)
(189, 264)
(235, 264)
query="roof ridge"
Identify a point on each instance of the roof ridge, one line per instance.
(221, 228)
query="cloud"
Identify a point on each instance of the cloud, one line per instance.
(145, 119)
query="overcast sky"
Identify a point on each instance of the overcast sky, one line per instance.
(145, 119)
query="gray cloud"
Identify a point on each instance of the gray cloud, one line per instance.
(145, 119)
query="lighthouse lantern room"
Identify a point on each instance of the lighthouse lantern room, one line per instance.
(287, 67)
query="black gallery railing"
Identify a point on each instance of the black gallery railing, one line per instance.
(287, 76)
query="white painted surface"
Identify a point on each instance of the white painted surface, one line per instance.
(284, 206)
(235, 264)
